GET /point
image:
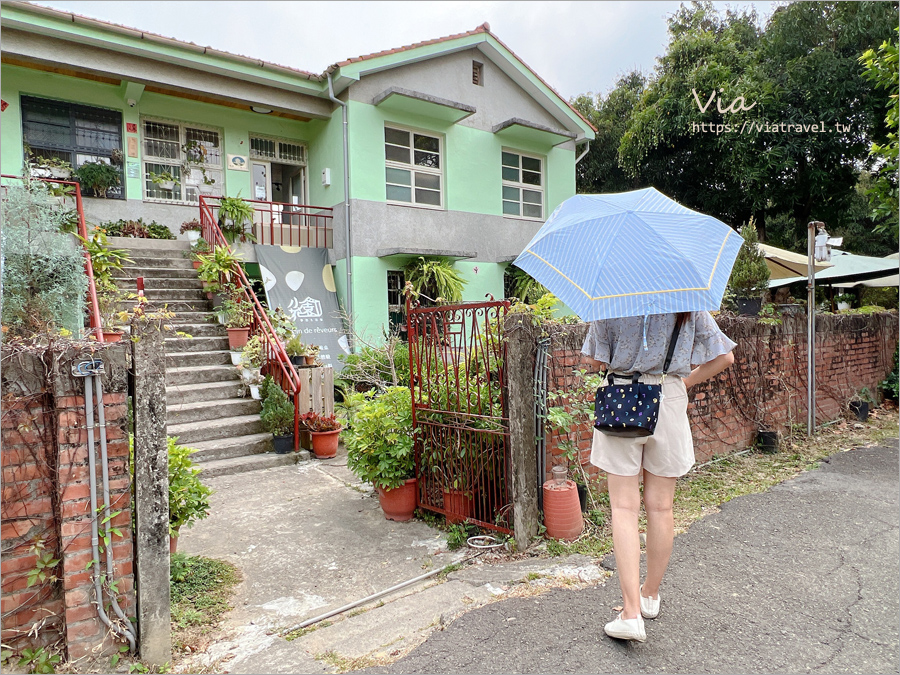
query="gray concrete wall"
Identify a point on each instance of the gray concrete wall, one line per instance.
(98, 211)
(450, 77)
(378, 225)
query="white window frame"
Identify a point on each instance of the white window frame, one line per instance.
(415, 168)
(542, 188)
(217, 169)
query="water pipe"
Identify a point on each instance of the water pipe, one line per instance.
(581, 156)
(347, 235)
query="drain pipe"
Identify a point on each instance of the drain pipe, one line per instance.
(540, 414)
(88, 370)
(349, 266)
(581, 156)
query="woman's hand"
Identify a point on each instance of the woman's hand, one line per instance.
(709, 369)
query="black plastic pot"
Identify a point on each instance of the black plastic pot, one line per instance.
(748, 306)
(283, 444)
(860, 409)
(297, 360)
(767, 441)
(582, 496)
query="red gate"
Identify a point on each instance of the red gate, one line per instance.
(457, 360)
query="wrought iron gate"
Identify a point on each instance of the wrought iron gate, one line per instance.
(457, 360)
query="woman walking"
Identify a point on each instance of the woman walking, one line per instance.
(631, 345)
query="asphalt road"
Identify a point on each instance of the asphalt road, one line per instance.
(800, 579)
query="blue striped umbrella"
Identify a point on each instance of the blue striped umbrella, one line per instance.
(631, 254)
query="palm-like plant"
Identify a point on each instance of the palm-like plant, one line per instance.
(435, 279)
(525, 287)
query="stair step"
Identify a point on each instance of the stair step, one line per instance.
(172, 261)
(157, 284)
(193, 375)
(196, 317)
(202, 391)
(155, 273)
(208, 430)
(189, 359)
(200, 329)
(267, 460)
(177, 306)
(160, 295)
(227, 448)
(196, 343)
(150, 246)
(201, 411)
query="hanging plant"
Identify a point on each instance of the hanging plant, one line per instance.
(435, 279)
(234, 215)
(98, 176)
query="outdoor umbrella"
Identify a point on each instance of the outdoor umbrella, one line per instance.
(631, 254)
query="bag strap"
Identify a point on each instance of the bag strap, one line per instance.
(672, 341)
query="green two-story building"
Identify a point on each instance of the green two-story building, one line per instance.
(451, 147)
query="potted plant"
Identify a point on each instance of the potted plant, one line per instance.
(434, 278)
(324, 430)
(237, 319)
(750, 274)
(109, 300)
(234, 215)
(165, 180)
(844, 301)
(310, 355)
(191, 228)
(860, 402)
(277, 417)
(98, 177)
(198, 248)
(217, 266)
(380, 449)
(296, 350)
(188, 497)
(252, 359)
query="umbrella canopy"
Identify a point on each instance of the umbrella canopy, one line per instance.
(784, 264)
(848, 269)
(631, 254)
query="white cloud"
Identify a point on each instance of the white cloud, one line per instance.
(575, 46)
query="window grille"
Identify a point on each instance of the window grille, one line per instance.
(477, 73)
(523, 185)
(282, 151)
(191, 155)
(412, 167)
(395, 282)
(71, 132)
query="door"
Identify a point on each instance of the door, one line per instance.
(261, 190)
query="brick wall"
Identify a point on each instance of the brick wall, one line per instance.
(46, 498)
(766, 386)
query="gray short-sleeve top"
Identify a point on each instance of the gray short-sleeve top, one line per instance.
(621, 344)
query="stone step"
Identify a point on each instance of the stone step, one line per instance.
(208, 430)
(228, 448)
(193, 359)
(155, 273)
(179, 394)
(200, 329)
(201, 411)
(267, 460)
(163, 295)
(157, 284)
(177, 306)
(175, 261)
(196, 344)
(150, 246)
(193, 375)
(194, 318)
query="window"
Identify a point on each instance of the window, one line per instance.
(276, 150)
(477, 73)
(396, 280)
(523, 185)
(412, 167)
(191, 155)
(74, 133)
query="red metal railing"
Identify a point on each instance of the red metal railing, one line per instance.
(277, 362)
(285, 224)
(94, 306)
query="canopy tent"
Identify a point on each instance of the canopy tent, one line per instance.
(881, 282)
(848, 269)
(784, 264)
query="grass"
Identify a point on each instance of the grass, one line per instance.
(711, 484)
(201, 589)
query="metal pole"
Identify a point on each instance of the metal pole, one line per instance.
(811, 330)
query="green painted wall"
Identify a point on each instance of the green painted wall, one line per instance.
(237, 125)
(326, 150)
(472, 168)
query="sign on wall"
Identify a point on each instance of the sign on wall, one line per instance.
(301, 282)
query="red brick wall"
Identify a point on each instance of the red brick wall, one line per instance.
(46, 496)
(766, 386)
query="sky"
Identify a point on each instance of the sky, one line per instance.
(577, 47)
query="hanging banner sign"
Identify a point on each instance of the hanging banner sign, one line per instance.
(301, 282)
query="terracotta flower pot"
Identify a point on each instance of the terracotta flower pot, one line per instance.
(400, 502)
(458, 505)
(173, 542)
(112, 335)
(325, 443)
(310, 360)
(237, 337)
(196, 264)
(562, 511)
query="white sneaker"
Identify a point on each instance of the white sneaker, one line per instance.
(649, 606)
(626, 629)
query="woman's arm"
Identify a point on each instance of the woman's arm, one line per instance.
(592, 365)
(709, 369)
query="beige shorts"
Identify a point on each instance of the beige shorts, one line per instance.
(669, 452)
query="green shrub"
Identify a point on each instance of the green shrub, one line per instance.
(277, 414)
(44, 282)
(137, 229)
(380, 440)
(750, 274)
(884, 297)
(891, 384)
(378, 367)
(98, 177)
(188, 497)
(435, 278)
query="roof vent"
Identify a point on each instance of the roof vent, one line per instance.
(477, 73)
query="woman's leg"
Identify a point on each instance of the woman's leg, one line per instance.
(659, 492)
(625, 500)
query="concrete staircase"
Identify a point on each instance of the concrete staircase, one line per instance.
(204, 403)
